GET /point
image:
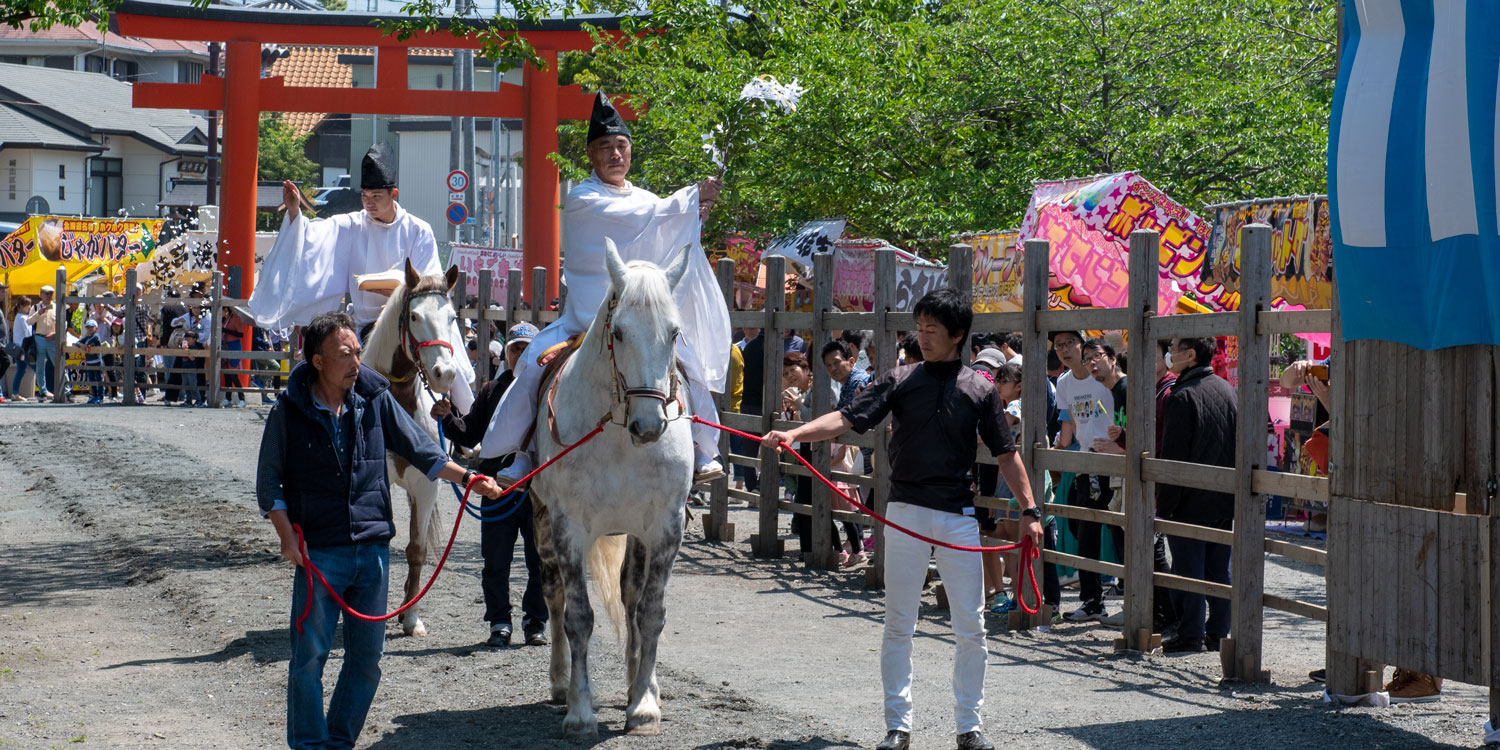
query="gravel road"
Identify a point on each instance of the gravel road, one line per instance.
(143, 605)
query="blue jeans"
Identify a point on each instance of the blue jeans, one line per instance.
(46, 361)
(360, 573)
(1205, 561)
(15, 383)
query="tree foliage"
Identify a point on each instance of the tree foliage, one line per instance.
(923, 121)
(282, 155)
(39, 15)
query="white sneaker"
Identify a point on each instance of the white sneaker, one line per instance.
(240, 404)
(226, 404)
(1115, 620)
(519, 468)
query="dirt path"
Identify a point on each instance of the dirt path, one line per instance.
(142, 605)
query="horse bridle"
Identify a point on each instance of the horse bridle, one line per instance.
(410, 346)
(620, 392)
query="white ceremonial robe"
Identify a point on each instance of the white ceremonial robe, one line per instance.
(314, 261)
(312, 266)
(643, 227)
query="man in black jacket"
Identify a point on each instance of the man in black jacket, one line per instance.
(1198, 426)
(497, 535)
(323, 467)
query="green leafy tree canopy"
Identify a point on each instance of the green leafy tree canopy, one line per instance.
(281, 152)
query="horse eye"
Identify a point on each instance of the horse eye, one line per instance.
(619, 335)
(676, 332)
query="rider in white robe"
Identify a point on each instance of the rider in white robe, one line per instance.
(643, 227)
(313, 264)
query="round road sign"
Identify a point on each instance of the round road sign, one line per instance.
(457, 212)
(458, 180)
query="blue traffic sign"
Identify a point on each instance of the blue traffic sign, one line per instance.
(457, 213)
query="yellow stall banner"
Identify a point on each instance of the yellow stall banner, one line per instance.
(29, 256)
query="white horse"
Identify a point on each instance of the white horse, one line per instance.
(415, 342)
(632, 479)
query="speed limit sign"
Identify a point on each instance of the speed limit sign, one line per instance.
(458, 181)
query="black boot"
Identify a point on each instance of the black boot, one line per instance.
(895, 740)
(973, 741)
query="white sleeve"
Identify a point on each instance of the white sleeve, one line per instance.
(305, 273)
(424, 253)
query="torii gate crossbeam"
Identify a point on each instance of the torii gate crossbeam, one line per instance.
(243, 95)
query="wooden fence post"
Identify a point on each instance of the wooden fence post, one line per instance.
(961, 273)
(538, 294)
(714, 522)
(60, 340)
(1139, 555)
(824, 553)
(482, 328)
(1244, 658)
(884, 339)
(1034, 292)
(514, 283)
(132, 298)
(765, 542)
(215, 338)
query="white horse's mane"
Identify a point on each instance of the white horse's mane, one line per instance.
(650, 292)
(380, 349)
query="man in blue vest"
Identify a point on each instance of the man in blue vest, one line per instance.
(323, 467)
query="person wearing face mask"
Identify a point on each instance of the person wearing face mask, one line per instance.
(1198, 426)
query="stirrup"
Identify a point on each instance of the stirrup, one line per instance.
(511, 480)
(708, 472)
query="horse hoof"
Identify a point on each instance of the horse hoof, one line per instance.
(419, 629)
(582, 731)
(647, 728)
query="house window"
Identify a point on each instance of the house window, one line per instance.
(125, 70)
(13, 59)
(95, 64)
(62, 192)
(61, 62)
(189, 72)
(62, 171)
(106, 183)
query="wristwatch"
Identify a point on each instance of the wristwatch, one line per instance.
(469, 477)
(1034, 512)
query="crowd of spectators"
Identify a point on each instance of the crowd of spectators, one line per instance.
(31, 345)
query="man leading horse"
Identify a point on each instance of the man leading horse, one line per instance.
(644, 227)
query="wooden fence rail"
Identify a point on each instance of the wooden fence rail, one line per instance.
(1249, 481)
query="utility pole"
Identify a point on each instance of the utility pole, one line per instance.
(211, 176)
(470, 230)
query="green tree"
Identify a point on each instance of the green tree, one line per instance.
(335, 5)
(281, 152)
(925, 119)
(39, 15)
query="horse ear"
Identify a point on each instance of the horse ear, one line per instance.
(613, 262)
(451, 276)
(679, 267)
(411, 275)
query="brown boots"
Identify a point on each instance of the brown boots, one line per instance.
(1414, 687)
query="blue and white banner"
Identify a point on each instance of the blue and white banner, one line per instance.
(1412, 172)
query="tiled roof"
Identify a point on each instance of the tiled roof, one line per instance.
(20, 131)
(93, 102)
(90, 34)
(309, 65)
(287, 5)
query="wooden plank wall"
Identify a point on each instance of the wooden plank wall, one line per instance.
(1421, 425)
(1405, 588)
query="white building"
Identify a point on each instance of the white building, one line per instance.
(89, 50)
(74, 140)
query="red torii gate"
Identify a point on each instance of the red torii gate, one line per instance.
(242, 95)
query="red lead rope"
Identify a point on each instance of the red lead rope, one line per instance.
(1028, 549)
(313, 572)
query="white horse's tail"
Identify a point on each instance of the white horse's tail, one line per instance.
(606, 558)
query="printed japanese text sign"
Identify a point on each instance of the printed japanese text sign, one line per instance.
(497, 260)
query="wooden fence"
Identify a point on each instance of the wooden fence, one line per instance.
(125, 351)
(1250, 482)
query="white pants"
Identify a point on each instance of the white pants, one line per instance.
(518, 407)
(963, 579)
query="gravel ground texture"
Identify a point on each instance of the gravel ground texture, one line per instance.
(143, 605)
